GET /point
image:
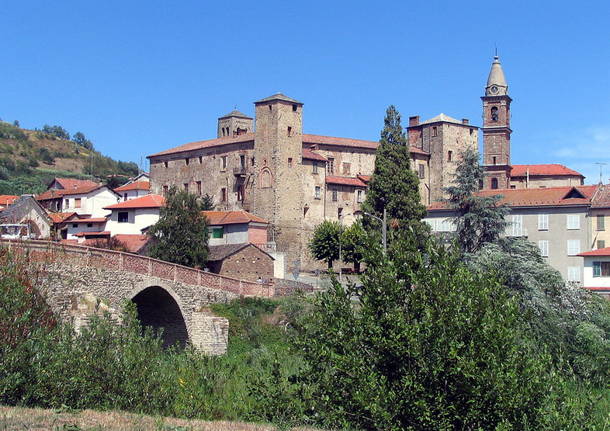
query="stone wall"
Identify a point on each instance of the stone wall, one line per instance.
(71, 273)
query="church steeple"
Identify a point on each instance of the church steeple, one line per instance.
(496, 82)
(496, 129)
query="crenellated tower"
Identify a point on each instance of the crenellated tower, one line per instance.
(496, 129)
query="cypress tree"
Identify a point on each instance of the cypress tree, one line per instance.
(394, 186)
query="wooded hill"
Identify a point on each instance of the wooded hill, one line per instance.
(30, 159)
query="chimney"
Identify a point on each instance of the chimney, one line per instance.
(414, 120)
(465, 121)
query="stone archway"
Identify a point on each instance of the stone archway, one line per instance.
(158, 309)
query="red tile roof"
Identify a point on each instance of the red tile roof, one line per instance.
(310, 155)
(89, 220)
(59, 193)
(216, 218)
(598, 252)
(133, 242)
(86, 234)
(249, 137)
(197, 145)
(602, 197)
(138, 185)
(365, 178)
(342, 142)
(345, 181)
(71, 183)
(551, 196)
(542, 170)
(7, 199)
(415, 150)
(60, 217)
(148, 201)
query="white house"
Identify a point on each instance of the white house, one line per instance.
(87, 200)
(597, 271)
(236, 227)
(76, 227)
(133, 190)
(134, 215)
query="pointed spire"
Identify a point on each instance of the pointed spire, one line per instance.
(496, 82)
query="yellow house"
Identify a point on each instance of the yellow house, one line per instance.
(600, 218)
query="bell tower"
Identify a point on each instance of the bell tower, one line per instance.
(496, 129)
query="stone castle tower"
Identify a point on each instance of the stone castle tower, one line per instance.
(235, 123)
(496, 129)
(278, 189)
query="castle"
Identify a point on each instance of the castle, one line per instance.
(268, 166)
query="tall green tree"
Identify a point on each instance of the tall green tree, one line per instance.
(353, 240)
(479, 219)
(394, 186)
(324, 244)
(207, 202)
(422, 343)
(181, 234)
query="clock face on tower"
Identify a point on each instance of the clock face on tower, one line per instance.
(493, 89)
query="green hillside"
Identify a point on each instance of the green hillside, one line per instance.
(30, 159)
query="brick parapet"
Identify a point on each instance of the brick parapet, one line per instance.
(128, 262)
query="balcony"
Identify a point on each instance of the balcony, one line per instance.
(239, 171)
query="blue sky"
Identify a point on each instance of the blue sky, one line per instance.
(138, 77)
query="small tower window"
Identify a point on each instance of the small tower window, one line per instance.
(494, 183)
(494, 114)
(186, 187)
(165, 164)
(289, 131)
(200, 160)
(186, 161)
(294, 108)
(449, 155)
(494, 160)
(290, 162)
(434, 131)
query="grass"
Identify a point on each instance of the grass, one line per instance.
(19, 418)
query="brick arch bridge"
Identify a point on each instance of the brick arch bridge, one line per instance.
(79, 281)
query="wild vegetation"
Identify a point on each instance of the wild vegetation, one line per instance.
(30, 159)
(437, 335)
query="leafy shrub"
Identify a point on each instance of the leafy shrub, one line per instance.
(427, 344)
(10, 131)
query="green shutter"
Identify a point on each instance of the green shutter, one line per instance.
(218, 232)
(597, 269)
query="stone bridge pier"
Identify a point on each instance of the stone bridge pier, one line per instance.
(79, 281)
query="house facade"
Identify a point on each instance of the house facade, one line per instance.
(133, 190)
(596, 265)
(556, 219)
(134, 215)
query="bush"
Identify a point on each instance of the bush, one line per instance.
(427, 344)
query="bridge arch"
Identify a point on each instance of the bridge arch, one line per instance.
(160, 307)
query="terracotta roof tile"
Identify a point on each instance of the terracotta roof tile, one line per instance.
(341, 142)
(310, 155)
(539, 170)
(86, 234)
(216, 218)
(246, 137)
(415, 150)
(551, 196)
(345, 181)
(133, 242)
(138, 185)
(365, 178)
(89, 220)
(7, 199)
(148, 201)
(602, 197)
(599, 252)
(60, 217)
(59, 193)
(72, 183)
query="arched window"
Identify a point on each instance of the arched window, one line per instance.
(265, 179)
(494, 114)
(494, 183)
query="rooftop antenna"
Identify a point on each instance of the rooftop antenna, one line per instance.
(601, 168)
